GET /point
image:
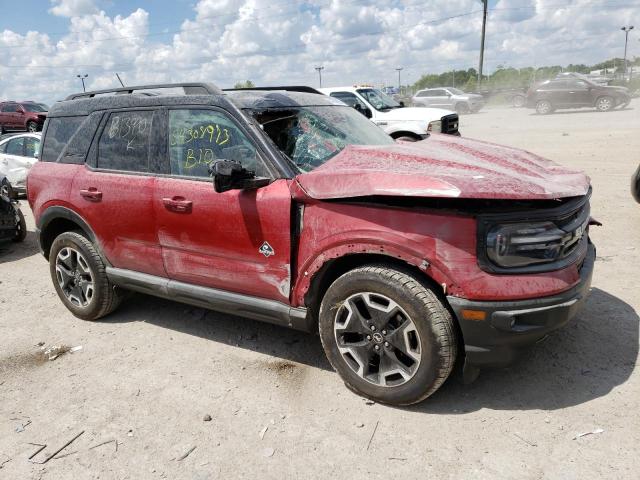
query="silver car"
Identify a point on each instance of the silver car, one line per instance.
(18, 153)
(449, 98)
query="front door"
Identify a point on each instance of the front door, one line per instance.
(239, 240)
(114, 193)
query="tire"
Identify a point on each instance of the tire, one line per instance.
(73, 258)
(462, 108)
(2, 130)
(604, 104)
(518, 101)
(544, 107)
(21, 234)
(7, 190)
(428, 342)
(406, 138)
(32, 127)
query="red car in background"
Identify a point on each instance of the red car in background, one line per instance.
(22, 116)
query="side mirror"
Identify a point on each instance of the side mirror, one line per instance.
(401, 103)
(231, 175)
(21, 111)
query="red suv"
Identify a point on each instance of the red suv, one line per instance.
(404, 257)
(22, 116)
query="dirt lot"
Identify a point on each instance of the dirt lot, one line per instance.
(148, 374)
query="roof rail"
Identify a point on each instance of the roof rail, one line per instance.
(198, 88)
(289, 88)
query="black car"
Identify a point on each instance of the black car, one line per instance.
(573, 92)
(635, 185)
(12, 224)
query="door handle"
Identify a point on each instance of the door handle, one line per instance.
(178, 204)
(92, 194)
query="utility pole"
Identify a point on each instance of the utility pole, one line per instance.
(626, 31)
(82, 77)
(319, 69)
(454, 78)
(399, 69)
(484, 26)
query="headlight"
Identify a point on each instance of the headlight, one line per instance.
(519, 245)
(435, 126)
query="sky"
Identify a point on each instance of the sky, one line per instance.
(45, 44)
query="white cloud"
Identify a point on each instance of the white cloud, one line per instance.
(72, 8)
(280, 42)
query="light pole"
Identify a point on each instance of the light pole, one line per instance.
(626, 31)
(484, 26)
(319, 69)
(82, 77)
(399, 69)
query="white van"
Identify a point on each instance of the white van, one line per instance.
(406, 123)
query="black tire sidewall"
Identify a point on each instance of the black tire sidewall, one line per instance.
(21, 234)
(100, 282)
(417, 387)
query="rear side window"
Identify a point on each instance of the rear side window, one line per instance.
(124, 143)
(16, 147)
(57, 133)
(10, 107)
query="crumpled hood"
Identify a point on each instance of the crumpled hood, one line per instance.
(442, 166)
(414, 114)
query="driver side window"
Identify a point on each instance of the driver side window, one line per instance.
(198, 137)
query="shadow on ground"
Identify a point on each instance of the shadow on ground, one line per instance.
(585, 360)
(12, 251)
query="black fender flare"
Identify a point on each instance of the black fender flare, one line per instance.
(57, 212)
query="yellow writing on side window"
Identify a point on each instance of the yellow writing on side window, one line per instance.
(198, 156)
(209, 133)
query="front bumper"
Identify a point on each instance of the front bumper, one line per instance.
(509, 328)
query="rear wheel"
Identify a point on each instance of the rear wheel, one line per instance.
(604, 104)
(32, 127)
(79, 277)
(388, 336)
(544, 107)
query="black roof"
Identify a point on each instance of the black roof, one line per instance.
(194, 94)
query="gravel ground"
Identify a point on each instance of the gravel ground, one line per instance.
(147, 376)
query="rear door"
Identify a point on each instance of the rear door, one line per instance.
(436, 98)
(11, 118)
(579, 93)
(239, 240)
(113, 192)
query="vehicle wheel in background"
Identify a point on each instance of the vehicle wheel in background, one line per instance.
(518, 101)
(462, 108)
(1, 130)
(406, 138)
(604, 104)
(21, 234)
(388, 336)
(7, 190)
(543, 107)
(79, 277)
(32, 127)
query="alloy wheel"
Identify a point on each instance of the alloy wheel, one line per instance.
(377, 339)
(32, 127)
(604, 104)
(74, 277)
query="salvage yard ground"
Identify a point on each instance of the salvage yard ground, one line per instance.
(147, 377)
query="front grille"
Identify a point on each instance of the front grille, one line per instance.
(450, 124)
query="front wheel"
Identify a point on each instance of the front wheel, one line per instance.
(406, 138)
(462, 109)
(79, 277)
(604, 104)
(388, 336)
(518, 101)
